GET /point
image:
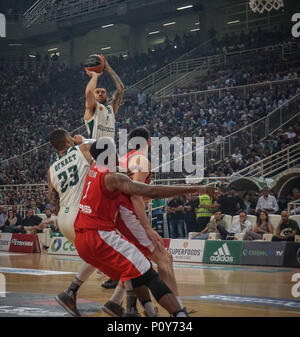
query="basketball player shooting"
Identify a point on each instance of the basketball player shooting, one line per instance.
(100, 113)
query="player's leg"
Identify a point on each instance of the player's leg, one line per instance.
(131, 229)
(160, 291)
(113, 306)
(164, 261)
(67, 298)
(117, 257)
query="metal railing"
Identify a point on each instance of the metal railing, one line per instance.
(294, 207)
(27, 188)
(217, 150)
(166, 71)
(35, 11)
(192, 68)
(274, 164)
(70, 9)
(151, 80)
(175, 68)
(248, 135)
(46, 147)
(242, 89)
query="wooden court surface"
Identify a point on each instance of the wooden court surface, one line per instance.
(267, 284)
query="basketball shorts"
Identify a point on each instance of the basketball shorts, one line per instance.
(129, 226)
(66, 219)
(111, 253)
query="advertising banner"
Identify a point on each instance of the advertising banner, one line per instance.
(62, 246)
(292, 254)
(5, 239)
(167, 243)
(263, 253)
(187, 250)
(24, 243)
(223, 252)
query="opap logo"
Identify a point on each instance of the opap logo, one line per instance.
(68, 246)
(56, 245)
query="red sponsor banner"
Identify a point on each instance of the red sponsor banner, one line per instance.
(5, 239)
(24, 243)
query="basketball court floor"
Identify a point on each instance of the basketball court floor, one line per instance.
(32, 280)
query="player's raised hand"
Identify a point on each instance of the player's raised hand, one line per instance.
(154, 237)
(92, 73)
(107, 67)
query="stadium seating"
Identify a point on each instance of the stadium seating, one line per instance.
(274, 220)
(251, 218)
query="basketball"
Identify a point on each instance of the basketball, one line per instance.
(95, 63)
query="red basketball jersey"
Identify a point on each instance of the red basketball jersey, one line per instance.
(98, 207)
(124, 199)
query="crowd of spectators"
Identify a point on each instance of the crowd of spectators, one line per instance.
(41, 94)
(191, 214)
(12, 221)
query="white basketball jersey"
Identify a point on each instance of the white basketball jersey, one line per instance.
(67, 175)
(102, 124)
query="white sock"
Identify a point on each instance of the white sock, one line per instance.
(85, 271)
(149, 308)
(179, 301)
(118, 295)
(181, 314)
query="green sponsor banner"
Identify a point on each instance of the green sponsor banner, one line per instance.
(223, 252)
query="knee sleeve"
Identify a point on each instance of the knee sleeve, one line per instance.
(151, 279)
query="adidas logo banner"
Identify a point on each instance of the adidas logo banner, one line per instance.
(225, 252)
(222, 255)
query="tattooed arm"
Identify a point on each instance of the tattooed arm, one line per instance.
(119, 93)
(53, 196)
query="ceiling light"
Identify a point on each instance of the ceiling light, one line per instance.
(185, 7)
(169, 23)
(194, 30)
(232, 22)
(105, 48)
(110, 25)
(151, 33)
(52, 49)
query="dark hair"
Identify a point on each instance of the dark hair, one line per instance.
(139, 132)
(259, 219)
(217, 210)
(58, 139)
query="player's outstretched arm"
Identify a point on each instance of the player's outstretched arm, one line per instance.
(90, 101)
(117, 181)
(119, 93)
(53, 196)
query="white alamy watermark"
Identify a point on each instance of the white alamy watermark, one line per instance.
(2, 25)
(164, 155)
(296, 26)
(296, 286)
(2, 285)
